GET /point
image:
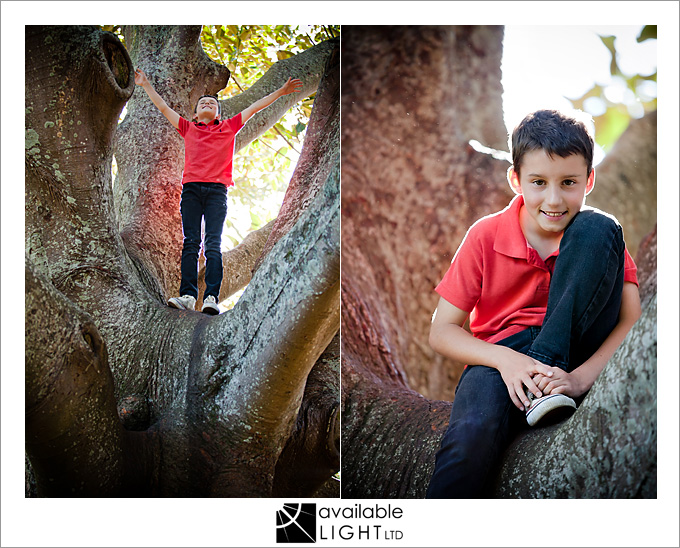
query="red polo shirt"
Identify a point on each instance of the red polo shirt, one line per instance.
(498, 277)
(209, 150)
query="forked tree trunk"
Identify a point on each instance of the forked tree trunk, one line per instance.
(124, 395)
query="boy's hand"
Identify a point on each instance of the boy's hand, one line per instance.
(561, 382)
(140, 77)
(518, 371)
(291, 86)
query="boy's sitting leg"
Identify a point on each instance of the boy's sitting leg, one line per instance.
(483, 422)
(583, 303)
(585, 292)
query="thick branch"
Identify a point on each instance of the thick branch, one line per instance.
(625, 185)
(73, 436)
(389, 438)
(308, 66)
(608, 448)
(321, 143)
(312, 454)
(286, 317)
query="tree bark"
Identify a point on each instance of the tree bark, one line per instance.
(71, 415)
(190, 405)
(412, 100)
(412, 185)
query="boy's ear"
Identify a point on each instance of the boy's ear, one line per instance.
(513, 181)
(590, 183)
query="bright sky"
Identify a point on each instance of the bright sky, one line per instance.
(544, 64)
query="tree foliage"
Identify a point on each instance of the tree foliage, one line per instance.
(612, 116)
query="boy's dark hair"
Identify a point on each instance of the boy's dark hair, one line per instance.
(554, 133)
(219, 108)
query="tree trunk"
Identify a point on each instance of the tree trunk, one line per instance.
(412, 99)
(121, 389)
(625, 182)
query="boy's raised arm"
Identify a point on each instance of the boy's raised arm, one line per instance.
(171, 115)
(291, 86)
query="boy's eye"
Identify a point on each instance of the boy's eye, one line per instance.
(568, 182)
(538, 182)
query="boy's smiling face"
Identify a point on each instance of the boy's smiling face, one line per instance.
(554, 191)
(207, 110)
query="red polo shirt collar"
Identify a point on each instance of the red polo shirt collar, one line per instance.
(214, 123)
(510, 239)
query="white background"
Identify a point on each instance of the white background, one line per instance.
(251, 522)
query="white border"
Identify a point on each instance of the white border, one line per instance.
(250, 522)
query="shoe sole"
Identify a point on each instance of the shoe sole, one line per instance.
(553, 408)
(210, 310)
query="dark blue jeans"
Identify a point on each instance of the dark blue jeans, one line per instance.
(202, 201)
(583, 308)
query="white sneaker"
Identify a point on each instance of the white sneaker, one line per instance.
(185, 302)
(210, 306)
(551, 408)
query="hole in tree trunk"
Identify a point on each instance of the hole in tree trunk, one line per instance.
(117, 62)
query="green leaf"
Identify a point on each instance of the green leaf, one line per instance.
(234, 241)
(648, 32)
(255, 219)
(610, 126)
(608, 41)
(283, 54)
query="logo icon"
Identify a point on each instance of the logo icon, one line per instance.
(296, 523)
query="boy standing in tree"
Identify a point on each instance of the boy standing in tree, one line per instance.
(208, 154)
(551, 292)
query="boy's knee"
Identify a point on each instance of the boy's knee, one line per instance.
(213, 245)
(213, 255)
(594, 226)
(594, 220)
(191, 245)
